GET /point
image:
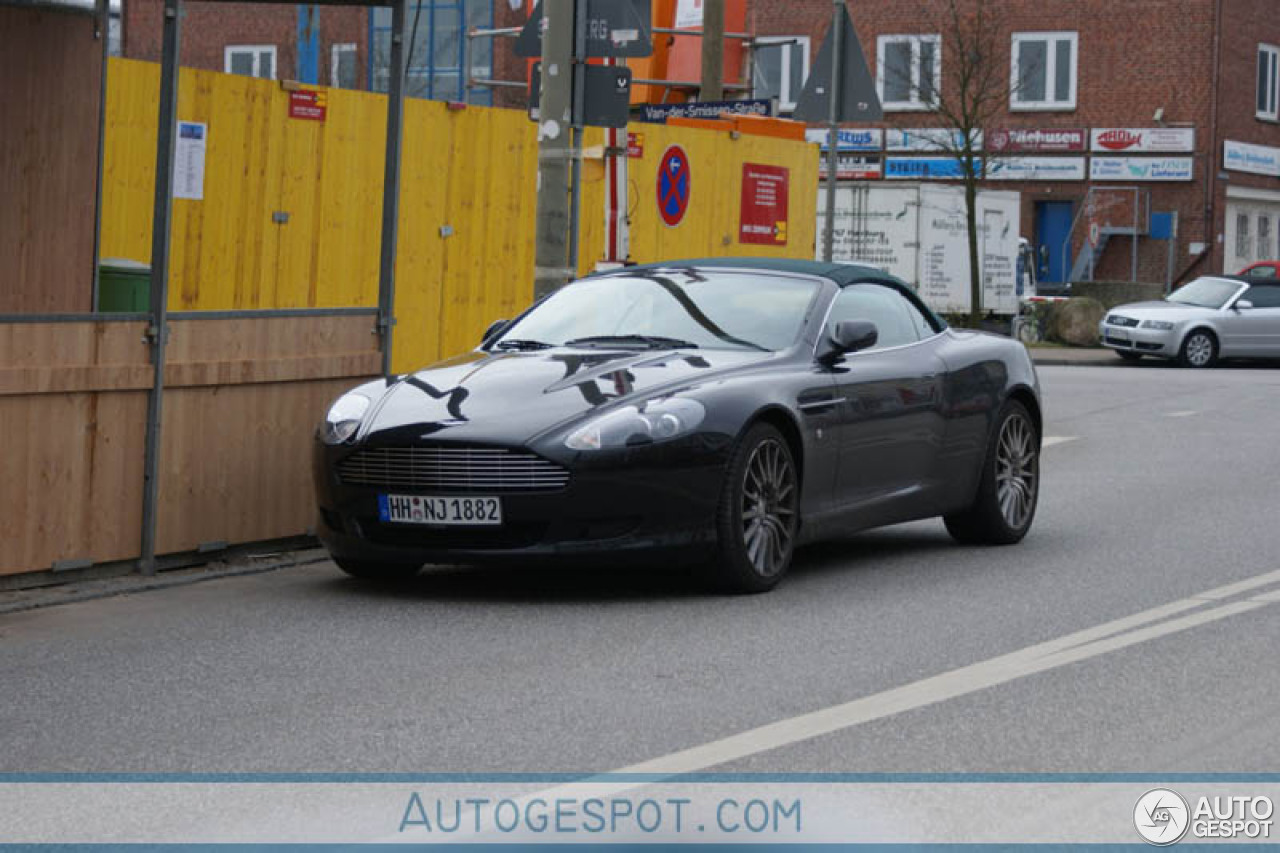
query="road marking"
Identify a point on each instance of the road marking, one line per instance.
(1082, 645)
(1051, 440)
(1185, 414)
(1160, 621)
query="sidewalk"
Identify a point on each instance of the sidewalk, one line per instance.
(1075, 356)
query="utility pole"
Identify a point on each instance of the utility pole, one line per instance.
(555, 119)
(712, 88)
(833, 126)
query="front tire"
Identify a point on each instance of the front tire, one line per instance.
(1199, 349)
(758, 514)
(1005, 505)
(374, 571)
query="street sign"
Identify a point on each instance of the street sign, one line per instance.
(607, 100)
(615, 28)
(659, 113)
(858, 98)
(675, 183)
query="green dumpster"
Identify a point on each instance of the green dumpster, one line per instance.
(124, 286)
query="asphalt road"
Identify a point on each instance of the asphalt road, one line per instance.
(1167, 488)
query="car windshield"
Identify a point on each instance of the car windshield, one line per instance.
(1205, 293)
(659, 309)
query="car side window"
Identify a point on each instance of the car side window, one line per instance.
(1263, 297)
(881, 305)
(1261, 272)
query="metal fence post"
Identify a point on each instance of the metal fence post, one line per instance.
(391, 186)
(158, 330)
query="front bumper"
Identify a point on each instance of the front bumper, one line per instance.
(627, 503)
(1139, 340)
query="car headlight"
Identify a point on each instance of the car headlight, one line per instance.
(1159, 325)
(657, 420)
(343, 418)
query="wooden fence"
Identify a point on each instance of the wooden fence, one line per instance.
(289, 222)
(243, 396)
(467, 203)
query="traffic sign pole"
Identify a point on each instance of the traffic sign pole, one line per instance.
(833, 129)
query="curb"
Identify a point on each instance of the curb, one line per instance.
(1077, 362)
(43, 597)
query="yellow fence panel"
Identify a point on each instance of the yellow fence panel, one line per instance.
(292, 208)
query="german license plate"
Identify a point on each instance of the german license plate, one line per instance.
(435, 510)
(1121, 337)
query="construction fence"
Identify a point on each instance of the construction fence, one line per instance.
(274, 278)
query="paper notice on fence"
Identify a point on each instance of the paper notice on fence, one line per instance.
(188, 160)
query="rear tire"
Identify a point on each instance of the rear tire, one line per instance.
(1199, 349)
(759, 509)
(1005, 505)
(374, 571)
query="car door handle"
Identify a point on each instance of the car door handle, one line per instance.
(820, 404)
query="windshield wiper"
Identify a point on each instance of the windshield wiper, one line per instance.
(647, 341)
(521, 344)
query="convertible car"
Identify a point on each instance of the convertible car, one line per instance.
(724, 411)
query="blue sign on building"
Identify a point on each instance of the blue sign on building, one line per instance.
(926, 168)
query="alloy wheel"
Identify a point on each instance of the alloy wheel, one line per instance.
(1199, 349)
(1016, 471)
(769, 507)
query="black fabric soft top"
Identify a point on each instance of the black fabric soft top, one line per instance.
(841, 274)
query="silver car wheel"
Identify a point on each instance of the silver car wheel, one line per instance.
(1016, 471)
(1199, 349)
(768, 508)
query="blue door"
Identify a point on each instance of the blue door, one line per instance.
(1053, 224)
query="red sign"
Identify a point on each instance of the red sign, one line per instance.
(1036, 140)
(308, 104)
(635, 145)
(1118, 139)
(675, 184)
(763, 216)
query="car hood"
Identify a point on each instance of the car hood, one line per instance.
(510, 397)
(1171, 311)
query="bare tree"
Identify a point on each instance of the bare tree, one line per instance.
(964, 85)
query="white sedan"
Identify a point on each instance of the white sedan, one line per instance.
(1210, 318)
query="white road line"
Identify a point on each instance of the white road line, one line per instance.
(1072, 648)
(1161, 621)
(1185, 414)
(1051, 440)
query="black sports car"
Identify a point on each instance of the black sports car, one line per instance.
(725, 410)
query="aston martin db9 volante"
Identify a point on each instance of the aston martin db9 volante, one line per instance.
(723, 411)
(1210, 318)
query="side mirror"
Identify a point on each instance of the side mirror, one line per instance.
(494, 327)
(1243, 305)
(849, 336)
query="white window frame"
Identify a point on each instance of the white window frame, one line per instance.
(258, 50)
(787, 86)
(1273, 101)
(334, 52)
(916, 103)
(1051, 39)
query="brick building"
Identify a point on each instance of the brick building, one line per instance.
(333, 45)
(1190, 86)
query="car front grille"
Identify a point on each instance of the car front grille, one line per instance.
(476, 470)
(1119, 320)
